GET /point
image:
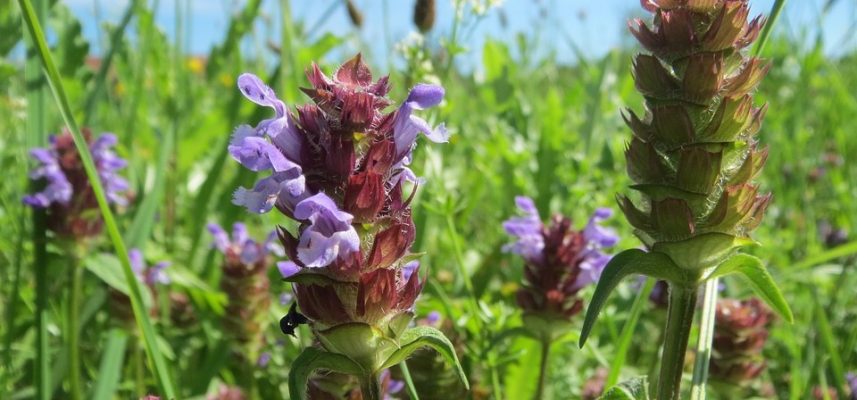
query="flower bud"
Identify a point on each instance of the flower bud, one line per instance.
(245, 282)
(694, 153)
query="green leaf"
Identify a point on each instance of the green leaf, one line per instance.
(633, 389)
(630, 262)
(426, 336)
(752, 269)
(110, 371)
(313, 358)
(108, 268)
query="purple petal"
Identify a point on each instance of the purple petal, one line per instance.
(272, 245)
(432, 318)
(261, 198)
(321, 206)
(527, 230)
(251, 253)
(409, 269)
(598, 235)
(255, 153)
(590, 269)
(137, 262)
(221, 239)
(316, 250)
(44, 156)
(239, 234)
(156, 274)
(256, 91)
(287, 269)
(286, 297)
(264, 359)
(423, 96)
(285, 136)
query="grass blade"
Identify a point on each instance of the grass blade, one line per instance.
(159, 366)
(109, 373)
(776, 9)
(144, 220)
(627, 334)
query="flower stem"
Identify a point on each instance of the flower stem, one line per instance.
(76, 277)
(543, 369)
(682, 302)
(706, 334)
(370, 387)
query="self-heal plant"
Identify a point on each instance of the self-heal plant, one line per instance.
(693, 159)
(559, 262)
(245, 282)
(67, 195)
(339, 167)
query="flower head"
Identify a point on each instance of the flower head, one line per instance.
(560, 260)
(245, 282)
(67, 194)
(339, 168)
(741, 330)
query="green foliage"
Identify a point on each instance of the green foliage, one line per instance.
(522, 123)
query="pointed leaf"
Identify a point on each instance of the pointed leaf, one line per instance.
(311, 359)
(629, 262)
(110, 371)
(426, 336)
(752, 269)
(634, 389)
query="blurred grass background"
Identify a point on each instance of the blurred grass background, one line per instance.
(532, 110)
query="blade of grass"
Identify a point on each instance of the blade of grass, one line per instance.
(36, 121)
(828, 341)
(706, 335)
(776, 9)
(409, 382)
(144, 220)
(110, 371)
(159, 366)
(628, 332)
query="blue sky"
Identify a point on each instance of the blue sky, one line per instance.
(595, 26)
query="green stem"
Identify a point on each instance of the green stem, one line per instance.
(370, 387)
(679, 320)
(706, 335)
(76, 279)
(543, 369)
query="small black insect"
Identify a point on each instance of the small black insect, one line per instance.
(290, 322)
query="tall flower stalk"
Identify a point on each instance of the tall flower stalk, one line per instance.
(339, 168)
(245, 282)
(693, 159)
(560, 262)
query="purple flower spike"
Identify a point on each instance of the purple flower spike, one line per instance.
(528, 231)
(329, 235)
(406, 127)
